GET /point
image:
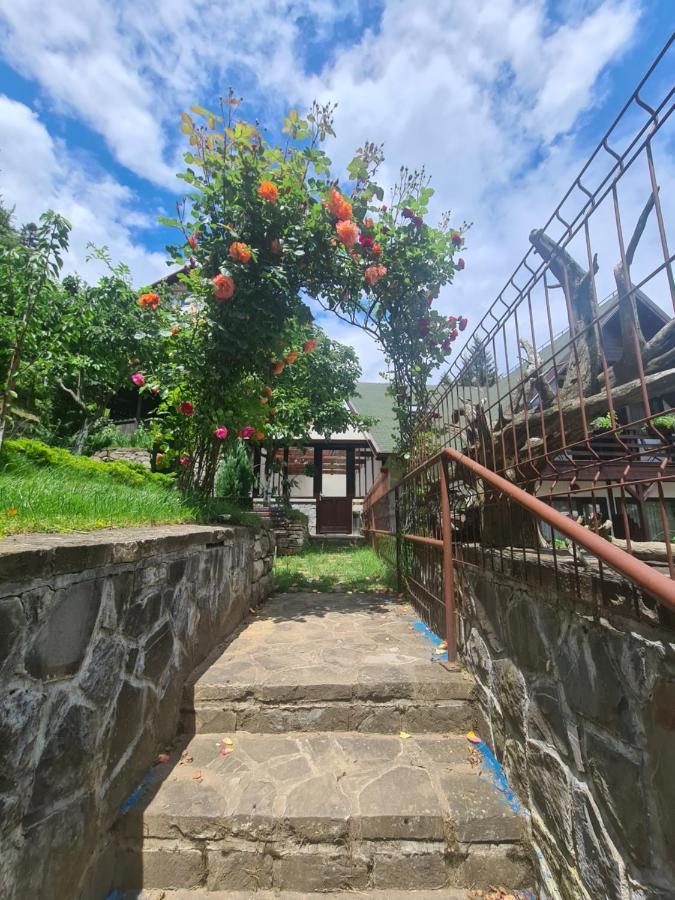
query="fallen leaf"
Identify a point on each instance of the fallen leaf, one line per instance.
(185, 758)
(197, 776)
(404, 735)
(254, 612)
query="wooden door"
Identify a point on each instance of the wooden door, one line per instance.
(334, 515)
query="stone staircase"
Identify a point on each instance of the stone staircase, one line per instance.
(324, 751)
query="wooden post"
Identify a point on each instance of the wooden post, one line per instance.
(318, 472)
(351, 471)
(448, 567)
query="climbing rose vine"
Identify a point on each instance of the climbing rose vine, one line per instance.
(263, 225)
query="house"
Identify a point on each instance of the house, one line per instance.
(585, 476)
(327, 478)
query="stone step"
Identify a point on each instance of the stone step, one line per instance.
(369, 717)
(346, 663)
(199, 894)
(323, 812)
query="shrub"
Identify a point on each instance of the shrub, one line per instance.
(133, 474)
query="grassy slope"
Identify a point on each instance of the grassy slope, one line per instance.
(44, 489)
(332, 568)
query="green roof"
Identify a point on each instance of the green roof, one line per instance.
(374, 401)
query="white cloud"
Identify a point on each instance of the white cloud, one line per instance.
(486, 94)
(127, 70)
(38, 173)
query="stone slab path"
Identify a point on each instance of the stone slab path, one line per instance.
(325, 751)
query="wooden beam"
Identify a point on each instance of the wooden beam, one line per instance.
(318, 470)
(351, 472)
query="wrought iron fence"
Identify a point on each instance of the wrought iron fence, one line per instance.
(568, 399)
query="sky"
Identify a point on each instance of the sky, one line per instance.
(501, 100)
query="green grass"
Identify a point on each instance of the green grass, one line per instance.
(326, 568)
(47, 489)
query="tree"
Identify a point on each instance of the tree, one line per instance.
(311, 393)
(265, 225)
(98, 339)
(9, 236)
(387, 269)
(28, 281)
(480, 370)
(235, 476)
(249, 248)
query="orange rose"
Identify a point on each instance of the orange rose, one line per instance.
(174, 329)
(338, 206)
(310, 345)
(376, 249)
(278, 368)
(348, 232)
(151, 300)
(240, 251)
(268, 391)
(223, 288)
(268, 191)
(374, 273)
(291, 358)
(260, 435)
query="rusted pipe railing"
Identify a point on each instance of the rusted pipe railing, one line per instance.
(635, 570)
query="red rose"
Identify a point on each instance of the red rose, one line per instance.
(186, 408)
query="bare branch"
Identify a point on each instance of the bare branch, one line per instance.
(72, 394)
(639, 228)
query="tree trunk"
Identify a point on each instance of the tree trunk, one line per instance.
(583, 365)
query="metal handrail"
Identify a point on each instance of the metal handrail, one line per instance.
(661, 587)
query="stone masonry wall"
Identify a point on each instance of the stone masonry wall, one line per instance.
(98, 633)
(580, 707)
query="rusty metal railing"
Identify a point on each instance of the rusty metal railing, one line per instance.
(451, 512)
(568, 400)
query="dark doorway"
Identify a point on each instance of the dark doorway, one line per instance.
(334, 515)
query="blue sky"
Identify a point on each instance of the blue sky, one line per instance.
(501, 99)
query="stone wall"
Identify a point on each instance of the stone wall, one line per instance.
(579, 703)
(98, 634)
(124, 454)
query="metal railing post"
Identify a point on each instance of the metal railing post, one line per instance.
(397, 526)
(448, 566)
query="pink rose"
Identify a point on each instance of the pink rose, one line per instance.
(138, 379)
(246, 431)
(184, 460)
(220, 432)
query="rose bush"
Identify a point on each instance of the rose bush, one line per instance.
(265, 224)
